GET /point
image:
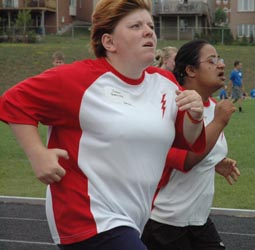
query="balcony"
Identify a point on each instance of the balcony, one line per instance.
(49, 4)
(190, 8)
(30, 4)
(9, 4)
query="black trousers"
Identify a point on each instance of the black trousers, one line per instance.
(158, 236)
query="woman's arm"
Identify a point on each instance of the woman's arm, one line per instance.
(191, 102)
(222, 114)
(44, 161)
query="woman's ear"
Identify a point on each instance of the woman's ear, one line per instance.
(190, 71)
(107, 42)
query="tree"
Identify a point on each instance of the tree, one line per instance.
(220, 16)
(24, 20)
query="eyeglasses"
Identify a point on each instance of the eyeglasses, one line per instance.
(214, 60)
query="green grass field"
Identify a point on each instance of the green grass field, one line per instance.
(240, 136)
(18, 61)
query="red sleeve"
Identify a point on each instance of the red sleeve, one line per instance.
(176, 159)
(180, 141)
(46, 97)
(32, 100)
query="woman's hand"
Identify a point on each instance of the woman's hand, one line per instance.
(228, 168)
(44, 161)
(45, 164)
(223, 112)
(190, 101)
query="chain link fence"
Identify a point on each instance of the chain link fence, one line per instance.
(215, 35)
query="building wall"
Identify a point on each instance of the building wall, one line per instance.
(50, 22)
(241, 18)
(84, 10)
(63, 13)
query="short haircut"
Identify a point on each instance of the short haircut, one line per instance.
(236, 63)
(58, 55)
(106, 16)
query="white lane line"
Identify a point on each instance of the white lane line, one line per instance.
(28, 242)
(22, 219)
(23, 200)
(233, 212)
(239, 234)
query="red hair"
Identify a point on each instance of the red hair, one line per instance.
(106, 16)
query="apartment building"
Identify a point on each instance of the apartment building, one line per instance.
(174, 19)
(49, 16)
(240, 16)
(179, 19)
(182, 19)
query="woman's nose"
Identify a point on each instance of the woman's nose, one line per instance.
(148, 30)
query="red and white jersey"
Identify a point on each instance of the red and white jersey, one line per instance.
(186, 198)
(117, 132)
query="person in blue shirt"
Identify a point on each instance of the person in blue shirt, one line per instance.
(235, 87)
(223, 93)
(252, 93)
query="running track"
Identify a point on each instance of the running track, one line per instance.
(23, 226)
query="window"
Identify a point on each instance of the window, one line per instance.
(7, 3)
(72, 3)
(246, 30)
(184, 23)
(245, 5)
(225, 2)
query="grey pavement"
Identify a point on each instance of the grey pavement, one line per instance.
(23, 226)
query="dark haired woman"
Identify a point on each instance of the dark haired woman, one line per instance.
(180, 214)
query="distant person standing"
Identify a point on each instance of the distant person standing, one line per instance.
(223, 93)
(58, 58)
(252, 93)
(236, 88)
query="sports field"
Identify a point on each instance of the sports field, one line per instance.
(18, 61)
